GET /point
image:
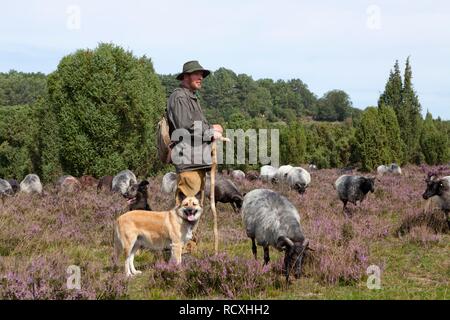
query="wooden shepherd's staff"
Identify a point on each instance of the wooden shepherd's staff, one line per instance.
(212, 199)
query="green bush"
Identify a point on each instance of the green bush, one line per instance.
(434, 144)
(371, 140)
(18, 136)
(19, 88)
(103, 106)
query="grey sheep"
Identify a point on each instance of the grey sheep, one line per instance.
(31, 184)
(271, 220)
(393, 168)
(225, 191)
(440, 190)
(122, 181)
(269, 174)
(353, 188)
(238, 175)
(381, 170)
(282, 172)
(5, 188)
(169, 183)
(298, 179)
(14, 185)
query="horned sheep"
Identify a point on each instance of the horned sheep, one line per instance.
(439, 189)
(271, 220)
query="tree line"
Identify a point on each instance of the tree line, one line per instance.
(97, 114)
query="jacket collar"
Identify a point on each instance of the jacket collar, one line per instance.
(189, 92)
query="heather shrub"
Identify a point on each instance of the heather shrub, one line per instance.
(42, 278)
(166, 274)
(40, 228)
(347, 232)
(422, 235)
(434, 220)
(42, 235)
(46, 277)
(344, 265)
(221, 275)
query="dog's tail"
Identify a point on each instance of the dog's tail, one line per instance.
(118, 245)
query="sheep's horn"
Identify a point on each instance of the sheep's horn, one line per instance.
(305, 245)
(305, 242)
(288, 241)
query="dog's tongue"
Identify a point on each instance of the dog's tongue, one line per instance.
(191, 217)
(130, 201)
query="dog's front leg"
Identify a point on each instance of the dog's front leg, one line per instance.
(177, 249)
(194, 230)
(127, 267)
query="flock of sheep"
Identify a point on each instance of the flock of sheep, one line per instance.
(270, 219)
(30, 184)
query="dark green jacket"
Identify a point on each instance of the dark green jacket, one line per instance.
(183, 109)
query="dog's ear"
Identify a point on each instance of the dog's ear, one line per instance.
(181, 196)
(199, 195)
(144, 183)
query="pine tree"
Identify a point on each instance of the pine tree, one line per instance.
(394, 143)
(392, 95)
(434, 145)
(371, 140)
(405, 102)
(411, 118)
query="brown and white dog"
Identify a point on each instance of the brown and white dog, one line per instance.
(156, 231)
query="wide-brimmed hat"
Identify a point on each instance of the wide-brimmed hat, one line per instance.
(192, 66)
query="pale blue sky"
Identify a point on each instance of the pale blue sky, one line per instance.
(349, 45)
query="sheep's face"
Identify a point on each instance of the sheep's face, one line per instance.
(434, 188)
(14, 185)
(8, 192)
(293, 256)
(296, 255)
(368, 185)
(300, 187)
(238, 200)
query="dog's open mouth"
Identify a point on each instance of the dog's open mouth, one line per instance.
(190, 214)
(131, 200)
